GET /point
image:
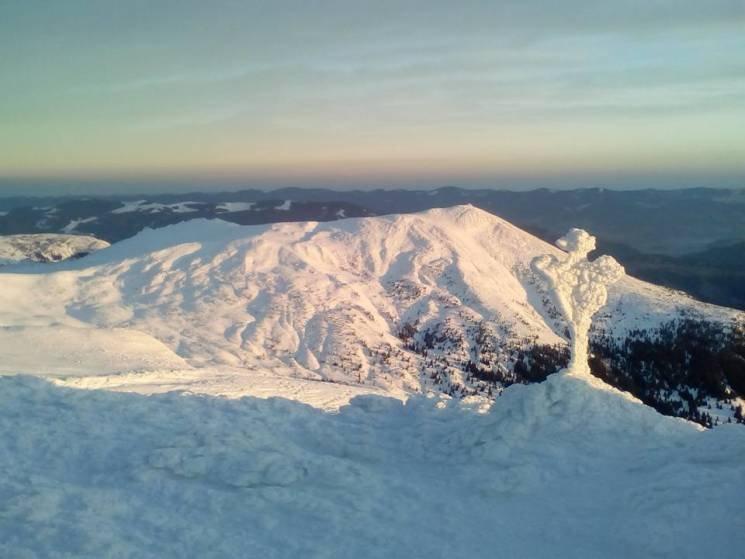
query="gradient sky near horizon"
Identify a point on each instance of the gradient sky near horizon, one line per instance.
(641, 93)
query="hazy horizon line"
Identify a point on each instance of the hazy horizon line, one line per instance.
(215, 189)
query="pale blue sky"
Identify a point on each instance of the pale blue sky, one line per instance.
(501, 93)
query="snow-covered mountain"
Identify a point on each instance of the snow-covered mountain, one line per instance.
(342, 316)
(441, 300)
(689, 239)
(45, 247)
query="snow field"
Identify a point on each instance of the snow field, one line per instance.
(559, 469)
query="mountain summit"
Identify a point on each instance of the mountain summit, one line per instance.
(439, 309)
(444, 299)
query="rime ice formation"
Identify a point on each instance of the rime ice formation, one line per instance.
(578, 287)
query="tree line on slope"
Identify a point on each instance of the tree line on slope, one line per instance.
(685, 368)
(678, 368)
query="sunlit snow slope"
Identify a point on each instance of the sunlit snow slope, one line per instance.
(325, 301)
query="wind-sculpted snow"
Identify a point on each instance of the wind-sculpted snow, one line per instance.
(579, 288)
(560, 469)
(401, 303)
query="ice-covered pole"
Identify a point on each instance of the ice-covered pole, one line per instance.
(578, 288)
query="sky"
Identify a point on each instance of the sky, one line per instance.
(102, 95)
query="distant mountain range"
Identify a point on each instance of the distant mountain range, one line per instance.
(692, 240)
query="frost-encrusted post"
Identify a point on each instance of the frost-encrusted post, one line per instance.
(578, 287)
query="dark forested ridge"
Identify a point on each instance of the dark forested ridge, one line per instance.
(687, 368)
(682, 368)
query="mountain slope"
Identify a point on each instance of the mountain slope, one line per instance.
(443, 299)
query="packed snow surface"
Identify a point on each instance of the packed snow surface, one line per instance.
(558, 469)
(46, 247)
(61, 351)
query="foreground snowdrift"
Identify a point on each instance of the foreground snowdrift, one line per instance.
(559, 469)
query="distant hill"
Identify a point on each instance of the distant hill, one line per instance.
(42, 247)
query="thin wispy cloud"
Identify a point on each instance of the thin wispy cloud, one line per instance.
(366, 81)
